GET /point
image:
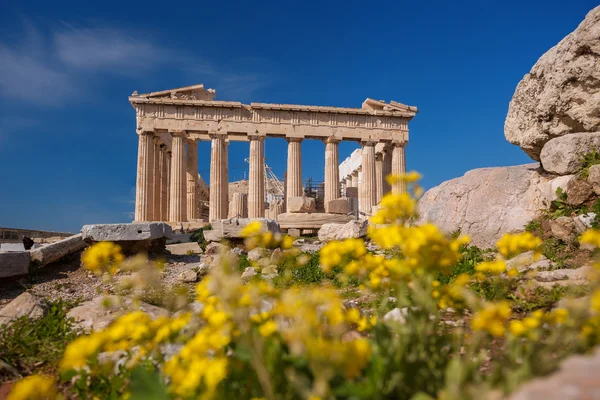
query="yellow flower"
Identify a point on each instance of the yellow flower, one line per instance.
(102, 255)
(492, 318)
(268, 328)
(251, 229)
(495, 267)
(512, 244)
(517, 328)
(591, 236)
(34, 387)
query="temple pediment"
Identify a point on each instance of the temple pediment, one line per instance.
(392, 106)
(195, 92)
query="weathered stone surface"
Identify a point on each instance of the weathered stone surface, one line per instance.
(214, 248)
(562, 155)
(57, 250)
(396, 316)
(576, 379)
(183, 249)
(293, 232)
(578, 192)
(583, 222)
(328, 232)
(563, 228)
(549, 187)
(256, 254)
(126, 232)
(232, 228)
(11, 247)
(351, 229)
(270, 269)
(24, 305)
(14, 263)
(188, 276)
(98, 313)
(248, 274)
(560, 95)
(276, 256)
(310, 221)
(485, 203)
(528, 262)
(594, 178)
(300, 204)
(581, 273)
(338, 206)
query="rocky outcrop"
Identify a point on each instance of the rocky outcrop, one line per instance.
(25, 305)
(562, 155)
(486, 203)
(560, 95)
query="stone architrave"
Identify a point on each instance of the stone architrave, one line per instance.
(178, 201)
(367, 193)
(145, 176)
(192, 180)
(332, 177)
(256, 181)
(217, 187)
(294, 168)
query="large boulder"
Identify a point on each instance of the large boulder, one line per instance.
(562, 155)
(560, 95)
(232, 228)
(486, 203)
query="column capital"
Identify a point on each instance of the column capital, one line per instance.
(294, 139)
(217, 135)
(260, 138)
(332, 139)
(146, 133)
(368, 143)
(398, 143)
(177, 133)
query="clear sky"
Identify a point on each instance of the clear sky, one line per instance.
(68, 146)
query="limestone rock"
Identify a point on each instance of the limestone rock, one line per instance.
(583, 222)
(215, 248)
(232, 228)
(397, 315)
(269, 270)
(578, 192)
(549, 188)
(301, 204)
(577, 378)
(248, 274)
(276, 256)
(126, 232)
(328, 232)
(98, 313)
(310, 220)
(562, 155)
(594, 178)
(256, 254)
(293, 232)
(182, 249)
(581, 273)
(14, 263)
(24, 305)
(188, 276)
(338, 206)
(559, 96)
(351, 229)
(57, 250)
(486, 203)
(563, 228)
(528, 262)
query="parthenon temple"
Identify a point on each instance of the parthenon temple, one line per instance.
(170, 124)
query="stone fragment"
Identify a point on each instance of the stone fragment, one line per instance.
(562, 155)
(14, 264)
(182, 249)
(269, 270)
(328, 232)
(309, 232)
(485, 203)
(188, 276)
(248, 274)
(559, 97)
(215, 248)
(349, 230)
(396, 316)
(293, 232)
(98, 313)
(562, 283)
(581, 273)
(528, 261)
(578, 192)
(232, 228)
(276, 256)
(55, 251)
(310, 221)
(563, 228)
(24, 305)
(594, 178)
(126, 232)
(12, 247)
(338, 206)
(256, 254)
(549, 188)
(300, 204)
(583, 222)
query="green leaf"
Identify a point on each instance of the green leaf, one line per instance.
(147, 385)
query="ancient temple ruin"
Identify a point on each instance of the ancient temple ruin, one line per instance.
(170, 123)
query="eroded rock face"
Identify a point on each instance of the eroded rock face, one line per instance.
(26, 304)
(562, 155)
(560, 95)
(486, 203)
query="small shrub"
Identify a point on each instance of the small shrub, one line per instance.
(587, 160)
(533, 226)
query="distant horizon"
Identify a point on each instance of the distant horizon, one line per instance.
(67, 131)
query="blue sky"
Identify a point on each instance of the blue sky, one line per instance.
(67, 132)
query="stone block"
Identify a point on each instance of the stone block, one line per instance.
(351, 229)
(309, 232)
(126, 232)
(293, 232)
(232, 228)
(339, 206)
(24, 305)
(352, 192)
(328, 232)
(57, 250)
(301, 204)
(183, 249)
(310, 221)
(562, 155)
(578, 192)
(14, 264)
(10, 247)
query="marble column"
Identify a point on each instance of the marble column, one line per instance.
(145, 177)
(367, 192)
(238, 206)
(156, 181)
(354, 179)
(217, 189)
(192, 180)
(294, 168)
(332, 172)
(225, 180)
(379, 177)
(256, 178)
(178, 184)
(387, 168)
(164, 162)
(348, 183)
(398, 166)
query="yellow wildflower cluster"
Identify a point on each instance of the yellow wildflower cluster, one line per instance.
(492, 318)
(528, 326)
(257, 236)
(591, 237)
(495, 267)
(334, 253)
(451, 295)
(102, 256)
(34, 387)
(513, 244)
